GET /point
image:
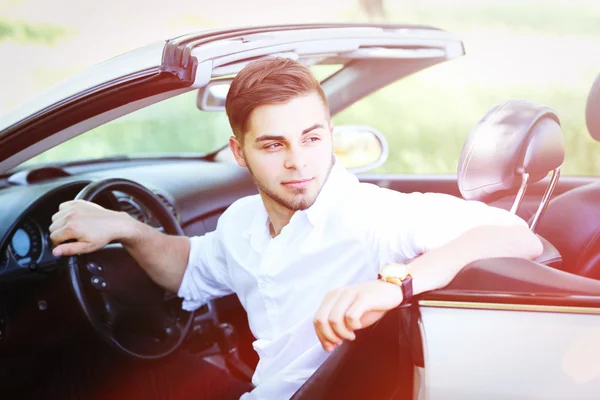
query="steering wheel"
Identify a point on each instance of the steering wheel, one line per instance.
(124, 306)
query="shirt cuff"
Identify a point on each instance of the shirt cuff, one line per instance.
(193, 298)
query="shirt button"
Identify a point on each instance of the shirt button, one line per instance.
(262, 285)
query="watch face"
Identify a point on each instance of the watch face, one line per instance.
(395, 270)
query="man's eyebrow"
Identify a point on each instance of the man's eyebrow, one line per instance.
(315, 126)
(265, 138)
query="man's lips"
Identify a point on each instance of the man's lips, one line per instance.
(297, 184)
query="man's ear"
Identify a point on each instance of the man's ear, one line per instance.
(236, 149)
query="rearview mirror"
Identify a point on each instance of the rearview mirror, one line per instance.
(359, 148)
(212, 96)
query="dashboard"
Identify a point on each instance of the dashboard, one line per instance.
(195, 192)
(29, 248)
(36, 304)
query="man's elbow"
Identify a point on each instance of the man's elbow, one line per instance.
(528, 244)
(514, 240)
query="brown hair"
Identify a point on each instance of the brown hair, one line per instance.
(267, 81)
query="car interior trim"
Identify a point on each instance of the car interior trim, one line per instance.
(509, 307)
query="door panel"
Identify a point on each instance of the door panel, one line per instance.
(500, 354)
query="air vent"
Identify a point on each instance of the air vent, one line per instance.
(169, 204)
(132, 208)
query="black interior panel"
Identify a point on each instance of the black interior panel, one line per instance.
(520, 281)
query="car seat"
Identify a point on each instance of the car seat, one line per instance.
(572, 220)
(515, 144)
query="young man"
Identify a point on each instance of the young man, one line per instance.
(304, 255)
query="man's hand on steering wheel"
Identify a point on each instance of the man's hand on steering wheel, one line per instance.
(89, 226)
(125, 289)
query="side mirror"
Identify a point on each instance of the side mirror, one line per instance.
(359, 148)
(212, 96)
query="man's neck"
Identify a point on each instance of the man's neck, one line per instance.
(279, 216)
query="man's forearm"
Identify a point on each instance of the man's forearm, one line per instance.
(163, 257)
(347, 309)
(475, 244)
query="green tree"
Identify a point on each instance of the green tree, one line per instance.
(24, 32)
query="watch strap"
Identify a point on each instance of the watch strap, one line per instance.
(407, 289)
(406, 285)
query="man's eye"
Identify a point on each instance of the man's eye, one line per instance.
(272, 146)
(313, 139)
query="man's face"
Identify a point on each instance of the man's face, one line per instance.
(288, 150)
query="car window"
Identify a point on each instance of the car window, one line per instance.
(174, 126)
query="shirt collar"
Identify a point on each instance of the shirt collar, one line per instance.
(259, 221)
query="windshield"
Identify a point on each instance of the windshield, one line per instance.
(175, 125)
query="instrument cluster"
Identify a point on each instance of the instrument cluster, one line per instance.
(26, 247)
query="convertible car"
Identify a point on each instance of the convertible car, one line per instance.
(503, 329)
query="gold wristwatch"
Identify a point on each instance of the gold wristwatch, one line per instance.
(398, 275)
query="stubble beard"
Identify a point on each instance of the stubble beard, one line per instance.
(299, 200)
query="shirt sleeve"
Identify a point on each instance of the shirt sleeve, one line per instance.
(205, 275)
(408, 225)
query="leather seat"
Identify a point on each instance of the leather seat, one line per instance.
(572, 220)
(572, 223)
(515, 143)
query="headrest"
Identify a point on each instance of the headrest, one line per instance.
(592, 110)
(513, 138)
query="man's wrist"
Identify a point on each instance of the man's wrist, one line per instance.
(397, 290)
(399, 275)
(130, 232)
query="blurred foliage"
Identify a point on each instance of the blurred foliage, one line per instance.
(171, 126)
(24, 32)
(426, 124)
(549, 17)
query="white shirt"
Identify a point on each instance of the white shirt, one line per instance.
(350, 232)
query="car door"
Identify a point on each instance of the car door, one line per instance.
(511, 329)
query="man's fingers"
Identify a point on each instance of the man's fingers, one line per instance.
(324, 330)
(354, 314)
(66, 204)
(64, 233)
(71, 249)
(321, 321)
(326, 344)
(57, 224)
(61, 214)
(338, 313)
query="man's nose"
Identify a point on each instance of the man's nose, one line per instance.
(295, 159)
